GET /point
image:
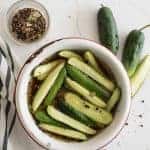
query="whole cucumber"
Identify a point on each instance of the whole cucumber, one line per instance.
(132, 51)
(107, 27)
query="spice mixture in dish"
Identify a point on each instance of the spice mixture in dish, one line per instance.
(28, 25)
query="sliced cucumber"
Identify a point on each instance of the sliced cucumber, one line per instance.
(97, 114)
(85, 93)
(69, 54)
(67, 109)
(63, 131)
(113, 99)
(42, 117)
(46, 86)
(91, 73)
(55, 88)
(42, 71)
(59, 116)
(87, 82)
(140, 74)
(89, 57)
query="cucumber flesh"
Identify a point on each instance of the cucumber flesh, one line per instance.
(87, 82)
(55, 88)
(85, 93)
(42, 117)
(97, 114)
(67, 109)
(113, 99)
(89, 57)
(63, 131)
(91, 73)
(42, 71)
(140, 74)
(59, 116)
(68, 54)
(45, 87)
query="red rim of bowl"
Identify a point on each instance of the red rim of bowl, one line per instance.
(30, 134)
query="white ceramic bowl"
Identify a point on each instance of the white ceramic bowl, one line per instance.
(101, 139)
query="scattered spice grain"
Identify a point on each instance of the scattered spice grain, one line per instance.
(86, 106)
(141, 125)
(140, 115)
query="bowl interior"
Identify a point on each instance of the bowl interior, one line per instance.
(122, 109)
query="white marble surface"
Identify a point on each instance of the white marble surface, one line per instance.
(78, 18)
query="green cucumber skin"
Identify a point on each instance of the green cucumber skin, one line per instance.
(97, 114)
(69, 133)
(55, 88)
(87, 82)
(65, 108)
(42, 117)
(108, 31)
(65, 119)
(140, 75)
(132, 50)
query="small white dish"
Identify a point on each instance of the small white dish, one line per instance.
(122, 111)
(21, 4)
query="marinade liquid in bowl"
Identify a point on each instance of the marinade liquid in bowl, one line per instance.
(73, 95)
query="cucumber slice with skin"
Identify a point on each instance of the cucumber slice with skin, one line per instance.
(87, 82)
(55, 88)
(140, 74)
(42, 71)
(45, 87)
(113, 99)
(68, 54)
(85, 93)
(42, 117)
(89, 57)
(97, 114)
(91, 73)
(63, 131)
(67, 109)
(59, 116)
